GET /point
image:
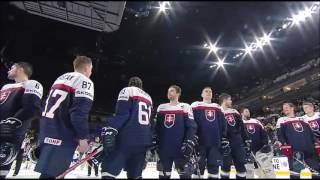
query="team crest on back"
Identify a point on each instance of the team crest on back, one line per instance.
(169, 120)
(210, 114)
(297, 126)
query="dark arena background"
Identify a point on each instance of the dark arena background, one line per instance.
(261, 53)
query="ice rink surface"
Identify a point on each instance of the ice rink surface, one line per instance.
(82, 171)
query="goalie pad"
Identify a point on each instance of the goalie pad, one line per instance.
(264, 161)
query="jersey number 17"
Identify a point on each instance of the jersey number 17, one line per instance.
(53, 93)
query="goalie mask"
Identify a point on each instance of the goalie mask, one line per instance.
(34, 154)
(8, 153)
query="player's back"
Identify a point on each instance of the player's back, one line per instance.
(135, 105)
(70, 93)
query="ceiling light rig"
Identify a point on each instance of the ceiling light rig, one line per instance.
(284, 25)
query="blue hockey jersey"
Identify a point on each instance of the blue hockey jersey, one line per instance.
(235, 127)
(65, 114)
(174, 124)
(296, 133)
(257, 134)
(21, 101)
(132, 117)
(314, 123)
(211, 123)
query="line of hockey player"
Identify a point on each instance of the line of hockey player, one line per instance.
(194, 137)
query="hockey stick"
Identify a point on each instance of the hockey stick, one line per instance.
(313, 171)
(88, 157)
(197, 163)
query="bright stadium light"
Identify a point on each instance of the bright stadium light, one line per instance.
(163, 6)
(248, 49)
(298, 17)
(266, 39)
(220, 63)
(213, 48)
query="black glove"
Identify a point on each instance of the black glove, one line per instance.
(8, 127)
(266, 148)
(188, 147)
(225, 147)
(108, 135)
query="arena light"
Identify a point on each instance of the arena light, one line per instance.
(213, 48)
(220, 63)
(266, 39)
(163, 6)
(248, 50)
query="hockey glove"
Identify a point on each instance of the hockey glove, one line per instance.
(266, 148)
(8, 127)
(188, 147)
(108, 135)
(225, 147)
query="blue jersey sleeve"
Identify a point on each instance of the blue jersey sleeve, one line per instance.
(222, 124)
(190, 124)
(30, 109)
(80, 107)
(123, 109)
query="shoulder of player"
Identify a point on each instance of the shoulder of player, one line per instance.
(231, 111)
(81, 77)
(135, 92)
(33, 87)
(195, 104)
(163, 106)
(256, 121)
(12, 86)
(31, 84)
(200, 103)
(184, 105)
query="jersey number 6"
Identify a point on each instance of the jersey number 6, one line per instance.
(144, 113)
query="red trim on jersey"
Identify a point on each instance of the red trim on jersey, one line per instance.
(205, 108)
(64, 88)
(294, 121)
(139, 98)
(252, 123)
(13, 89)
(173, 112)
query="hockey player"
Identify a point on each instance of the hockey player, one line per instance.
(294, 132)
(259, 146)
(238, 138)
(64, 125)
(212, 129)
(127, 135)
(19, 105)
(176, 134)
(312, 118)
